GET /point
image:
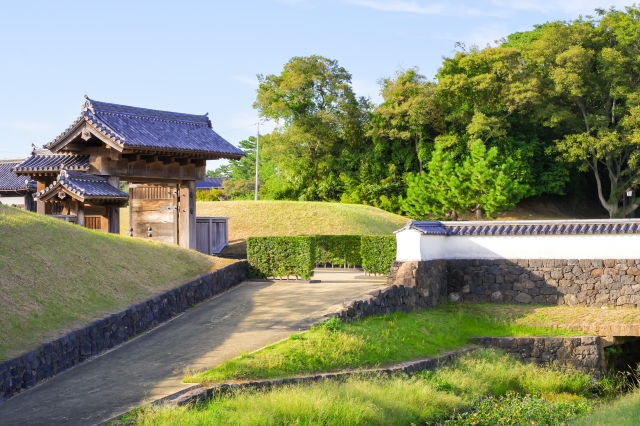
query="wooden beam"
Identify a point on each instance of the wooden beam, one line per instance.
(113, 213)
(199, 162)
(166, 159)
(149, 158)
(183, 161)
(187, 215)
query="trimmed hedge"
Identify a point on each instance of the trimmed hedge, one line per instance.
(338, 250)
(281, 256)
(378, 253)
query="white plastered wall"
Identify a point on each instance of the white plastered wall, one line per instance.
(412, 246)
(8, 201)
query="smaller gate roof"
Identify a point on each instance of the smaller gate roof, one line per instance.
(82, 187)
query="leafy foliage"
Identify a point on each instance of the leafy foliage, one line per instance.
(338, 250)
(281, 256)
(515, 409)
(481, 183)
(209, 194)
(378, 253)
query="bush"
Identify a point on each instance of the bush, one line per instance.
(240, 189)
(209, 194)
(281, 256)
(338, 250)
(515, 409)
(378, 253)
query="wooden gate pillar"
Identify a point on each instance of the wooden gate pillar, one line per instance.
(187, 215)
(113, 213)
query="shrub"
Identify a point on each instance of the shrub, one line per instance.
(209, 194)
(378, 253)
(240, 189)
(281, 256)
(515, 409)
(338, 250)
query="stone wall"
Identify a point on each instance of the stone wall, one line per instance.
(609, 282)
(412, 286)
(580, 352)
(63, 353)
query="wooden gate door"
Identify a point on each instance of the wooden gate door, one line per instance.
(153, 212)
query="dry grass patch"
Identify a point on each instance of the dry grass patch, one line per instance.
(579, 318)
(56, 277)
(266, 218)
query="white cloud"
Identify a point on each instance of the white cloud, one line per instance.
(401, 6)
(423, 8)
(481, 36)
(569, 7)
(497, 8)
(249, 81)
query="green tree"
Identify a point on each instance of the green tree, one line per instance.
(480, 183)
(589, 72)
(322, 132)
(407, 120)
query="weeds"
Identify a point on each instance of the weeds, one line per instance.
(397, 400)
(374, 341)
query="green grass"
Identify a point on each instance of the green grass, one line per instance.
(372, 342)
(622, 412)
(55, 277)
(425, 397)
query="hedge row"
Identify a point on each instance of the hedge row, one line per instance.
(378, 253)
(283, 257)
(338, 250)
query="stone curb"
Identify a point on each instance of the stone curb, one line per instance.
(204, 393)
(254, 280)
(78, 346)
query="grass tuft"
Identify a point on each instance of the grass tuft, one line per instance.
(397, 400)
(371, 342)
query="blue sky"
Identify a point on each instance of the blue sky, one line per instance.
(198, 57)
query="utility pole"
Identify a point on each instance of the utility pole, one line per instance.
(257, 146)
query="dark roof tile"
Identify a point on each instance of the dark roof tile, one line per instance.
(9, 181)
(141, 128)
(42, 160)
(85, 187)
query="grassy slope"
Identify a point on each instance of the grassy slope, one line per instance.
(398, 400)
(55, 277)
(264, 218)
(623, 412)
(373, 341)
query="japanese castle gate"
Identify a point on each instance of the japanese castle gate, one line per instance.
(160, 154)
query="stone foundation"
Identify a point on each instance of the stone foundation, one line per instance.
(585, 353)
(76, 347)
(412, 286)
(609, 282)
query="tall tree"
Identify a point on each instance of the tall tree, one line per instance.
(589, 72)
(407, 121)
(322, 124)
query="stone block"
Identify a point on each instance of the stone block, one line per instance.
(497, 296)
(523, 298)
(609, 263)
(455, 297)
